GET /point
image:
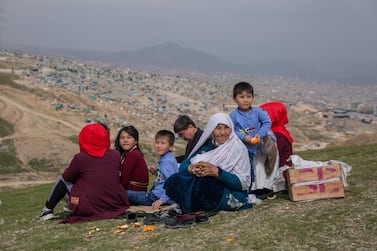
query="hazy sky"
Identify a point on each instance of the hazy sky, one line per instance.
(314, 32)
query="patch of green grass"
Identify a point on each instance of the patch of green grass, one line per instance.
(149, 154)
(6, 128)
(330, 224)
(7, 79)
(73, 139)
(9, 163)
(42, 165)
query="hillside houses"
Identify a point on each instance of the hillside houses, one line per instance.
(145, 98)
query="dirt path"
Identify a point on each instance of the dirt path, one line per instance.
(29, 111)
(41, 135)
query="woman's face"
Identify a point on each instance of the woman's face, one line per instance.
(221, 133)
(126, 141)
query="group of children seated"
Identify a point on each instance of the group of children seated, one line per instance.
(103, 183)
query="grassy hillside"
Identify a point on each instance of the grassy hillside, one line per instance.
(333, 224)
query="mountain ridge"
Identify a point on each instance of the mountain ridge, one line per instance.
(171, 55)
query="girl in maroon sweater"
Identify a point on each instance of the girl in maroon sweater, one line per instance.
(91, 180)
(134, 170)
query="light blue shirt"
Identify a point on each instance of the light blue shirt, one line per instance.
(167, 165)
(254, 122)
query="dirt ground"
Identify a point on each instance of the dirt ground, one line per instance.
(42, 132)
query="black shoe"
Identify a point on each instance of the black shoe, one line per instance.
(175, 211)
(46, 214)
(131, 217)
(200, 217)
(153, 219)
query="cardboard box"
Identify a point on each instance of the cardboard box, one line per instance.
(315, 183)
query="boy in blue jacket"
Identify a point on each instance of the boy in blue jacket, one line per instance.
(167, 165)
(251, 123)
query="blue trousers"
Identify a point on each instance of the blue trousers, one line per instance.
(141, 198)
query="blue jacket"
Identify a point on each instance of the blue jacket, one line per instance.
(254, 122)
(167, 165)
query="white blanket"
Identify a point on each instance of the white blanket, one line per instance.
(276, 181)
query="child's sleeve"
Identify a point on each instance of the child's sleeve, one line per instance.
(265, 123)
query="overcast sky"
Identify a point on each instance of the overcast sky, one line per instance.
(314, 32)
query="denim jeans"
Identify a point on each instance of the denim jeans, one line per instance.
(141, 198)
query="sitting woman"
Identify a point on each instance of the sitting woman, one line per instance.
(216, 174)
(91, 180)
(134, 170)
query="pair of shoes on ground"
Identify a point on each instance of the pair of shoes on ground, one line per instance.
(186, 220)
(153, 219)
(252, 199)
(175, 211)
(46, 214)
(263, 194)
(131, 217)
(156, 218)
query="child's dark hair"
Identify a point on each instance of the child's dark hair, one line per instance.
(166, 133)
(182, 123)
(105, 126)
(242, 87)
(130, 130)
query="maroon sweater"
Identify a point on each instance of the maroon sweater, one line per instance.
(97, 192)
(134, 171)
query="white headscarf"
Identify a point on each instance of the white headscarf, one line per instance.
(232, 156)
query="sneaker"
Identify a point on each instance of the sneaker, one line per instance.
(46, 214)
(66, 209)
(254, 200)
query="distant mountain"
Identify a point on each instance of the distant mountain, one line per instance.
(170, 55)
(174, 56)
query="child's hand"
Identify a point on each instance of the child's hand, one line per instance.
(252, 140)
(152, 170)
(157, 204)
(255, 140)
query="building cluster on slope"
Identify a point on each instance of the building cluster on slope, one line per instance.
(151, 100)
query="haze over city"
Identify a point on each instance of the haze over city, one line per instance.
(329, 36)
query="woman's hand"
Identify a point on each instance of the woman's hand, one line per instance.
(203, 169)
